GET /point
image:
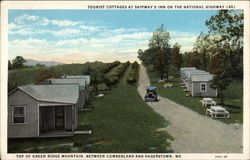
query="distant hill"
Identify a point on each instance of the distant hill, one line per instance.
(31, 62)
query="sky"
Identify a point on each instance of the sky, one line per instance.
(79, 36)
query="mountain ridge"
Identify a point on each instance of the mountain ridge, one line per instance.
(32, 62)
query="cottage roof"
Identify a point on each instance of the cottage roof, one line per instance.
(53, 93)
(190, 73)
(86, 77)
(81, 82)
(201, 77)
(187, 68)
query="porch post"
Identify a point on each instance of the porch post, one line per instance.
(38, 122)
(65, 119)
(54, 118)
(73, 118)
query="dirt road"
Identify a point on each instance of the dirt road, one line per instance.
(194, 133)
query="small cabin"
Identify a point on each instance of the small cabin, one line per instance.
(197, 82)
(87, 79)
(82, 87)
(43, 110)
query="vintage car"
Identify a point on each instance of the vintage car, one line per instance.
(217, 112)
(207, 102)
(151, 94)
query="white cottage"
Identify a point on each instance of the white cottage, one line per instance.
(43, 110)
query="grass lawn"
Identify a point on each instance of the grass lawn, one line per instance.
(233, 98)
(122, 123)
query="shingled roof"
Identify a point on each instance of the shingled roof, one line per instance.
(81, 82)
(53, 93)
(201, 77)
(86, 77)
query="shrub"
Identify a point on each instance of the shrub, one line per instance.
(133, 74)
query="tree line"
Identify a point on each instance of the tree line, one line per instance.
(220, 51)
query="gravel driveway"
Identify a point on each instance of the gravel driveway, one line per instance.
(194, 133)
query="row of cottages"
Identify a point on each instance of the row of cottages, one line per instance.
(197, 82)
(49, 109)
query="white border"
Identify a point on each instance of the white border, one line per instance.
(5, 5)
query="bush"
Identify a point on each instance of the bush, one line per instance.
(105, 69)
(133, 74)
(113, 77)
(44, 74)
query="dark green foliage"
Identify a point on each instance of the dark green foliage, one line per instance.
(160, 42)
(177, 56)
(221, 81)
(46, 73)
(191, 59)
(133, 74)
(228, 48)
(9, 65)
(77, 69)
(148, 56)
(18, 62)
(201, 51)
(106, 68)
(112, 77)
(96, 76)
(228, 24)
(19, 77)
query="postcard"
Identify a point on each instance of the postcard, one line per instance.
(125, 80)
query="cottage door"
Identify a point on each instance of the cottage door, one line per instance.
(59, 117)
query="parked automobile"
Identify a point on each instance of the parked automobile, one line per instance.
(151, 94)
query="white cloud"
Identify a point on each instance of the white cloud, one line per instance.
(43, 22)
(12, 26)
(73, 41)
(25, 17)
(28, 41)
(67, 32)
(90, 28)
(64, 23)
(182, 34)
(23, 31)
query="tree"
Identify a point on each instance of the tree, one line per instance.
(226, 34)
(110, 80)
(96, 76)
(46, 73)
(201, 47)
(228, 27)
(177, 56)
(160, 43)
(191, 59)
(9, 65)
(220, 82)
(18, 62)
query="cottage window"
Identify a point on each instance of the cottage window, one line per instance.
(18, 115)
(203, 87)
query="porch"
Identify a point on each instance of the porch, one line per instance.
(57, 120)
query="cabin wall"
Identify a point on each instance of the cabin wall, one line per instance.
(30, 128)
(196, 90)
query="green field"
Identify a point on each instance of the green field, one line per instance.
(233, 97)
(121, 123)
(28, 75)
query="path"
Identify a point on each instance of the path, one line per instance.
(193, 133)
